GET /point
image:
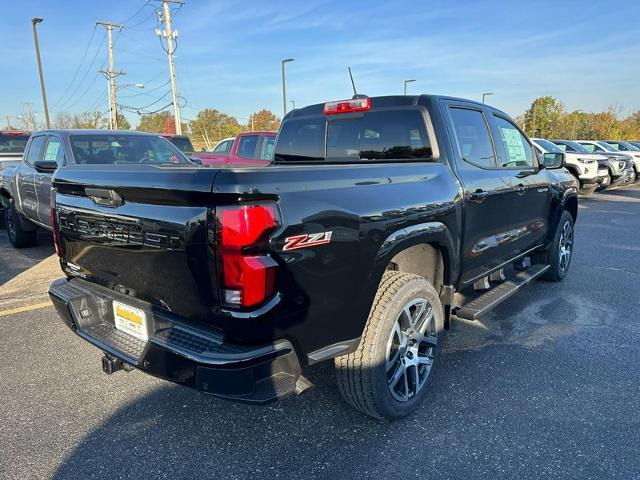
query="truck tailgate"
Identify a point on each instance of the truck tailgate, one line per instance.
(141, 231)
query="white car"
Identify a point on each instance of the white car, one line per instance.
(618, 166)
(584, 167)
(599, 146)
(628, 148)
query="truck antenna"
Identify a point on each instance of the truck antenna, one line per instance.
(353, 84)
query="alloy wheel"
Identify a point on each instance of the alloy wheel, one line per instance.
(411, 349)
(566, 245)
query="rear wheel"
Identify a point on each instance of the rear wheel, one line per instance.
(387, 376)
(18, 237)
(561, 250)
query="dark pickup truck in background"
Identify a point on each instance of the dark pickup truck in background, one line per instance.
(379, 220)
(25, 186)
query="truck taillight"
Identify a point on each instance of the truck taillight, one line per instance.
(246, 271)
(54, 224)
(347, 106)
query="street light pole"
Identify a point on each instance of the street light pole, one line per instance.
(34, 22)
(405, 85)
(284, 86)
(486, 94)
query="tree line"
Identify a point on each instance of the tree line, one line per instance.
(548, 118)
(209, 126)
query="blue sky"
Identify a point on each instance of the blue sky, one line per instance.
(586, 53)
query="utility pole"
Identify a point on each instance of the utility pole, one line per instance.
(252, 129)
(170, 35)
(485, 95)
(111, 75)
(34, 22)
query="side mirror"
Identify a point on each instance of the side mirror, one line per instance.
(46, 166)
(553, 160)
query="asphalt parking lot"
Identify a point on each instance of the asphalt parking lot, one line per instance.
(546, 386)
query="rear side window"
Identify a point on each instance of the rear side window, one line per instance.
(473, 137)
(301, 140)
(247, 146)
(35, 149)
(377, 135)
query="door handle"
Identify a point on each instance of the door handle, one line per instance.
(521, 189)
(478, 196)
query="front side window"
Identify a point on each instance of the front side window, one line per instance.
(473, 137)
(608, 146)
(517, 149)
(54, 151)
(35, 149)
(124, 149)
(247, 146)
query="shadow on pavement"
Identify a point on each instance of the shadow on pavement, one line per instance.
(14, 261)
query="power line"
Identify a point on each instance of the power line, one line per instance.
(137, 53)
(145, 94)
(75, 75)
(147, 106)
(95, 55)
(146, 4)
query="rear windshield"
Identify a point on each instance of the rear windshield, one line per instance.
(184, 144)
(381, 135)
(10, 143)
(124, 149)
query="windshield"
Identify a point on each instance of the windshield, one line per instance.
(630, 146)
(573, 147)
(13, 143)
(184, 144)
(608, 146)
(124, 149)
(548, 146)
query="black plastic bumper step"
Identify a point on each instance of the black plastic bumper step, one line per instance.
(489, 300)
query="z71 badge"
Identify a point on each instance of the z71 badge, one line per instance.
(306, 240)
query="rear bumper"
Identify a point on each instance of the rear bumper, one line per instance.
(175, 351)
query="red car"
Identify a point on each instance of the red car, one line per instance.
(247, 148)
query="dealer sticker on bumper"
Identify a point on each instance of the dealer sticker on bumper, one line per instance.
(130, 320)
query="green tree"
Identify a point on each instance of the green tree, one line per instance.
(123, 123)
(154, 122)
(263, 120)
(541, 120)
(211, 125)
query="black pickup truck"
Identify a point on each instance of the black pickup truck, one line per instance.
(379, 220)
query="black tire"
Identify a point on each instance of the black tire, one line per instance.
(362, 376)
(558, 268)
(18, 237)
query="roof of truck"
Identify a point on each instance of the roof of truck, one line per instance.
(387, 101)
(91, 131)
